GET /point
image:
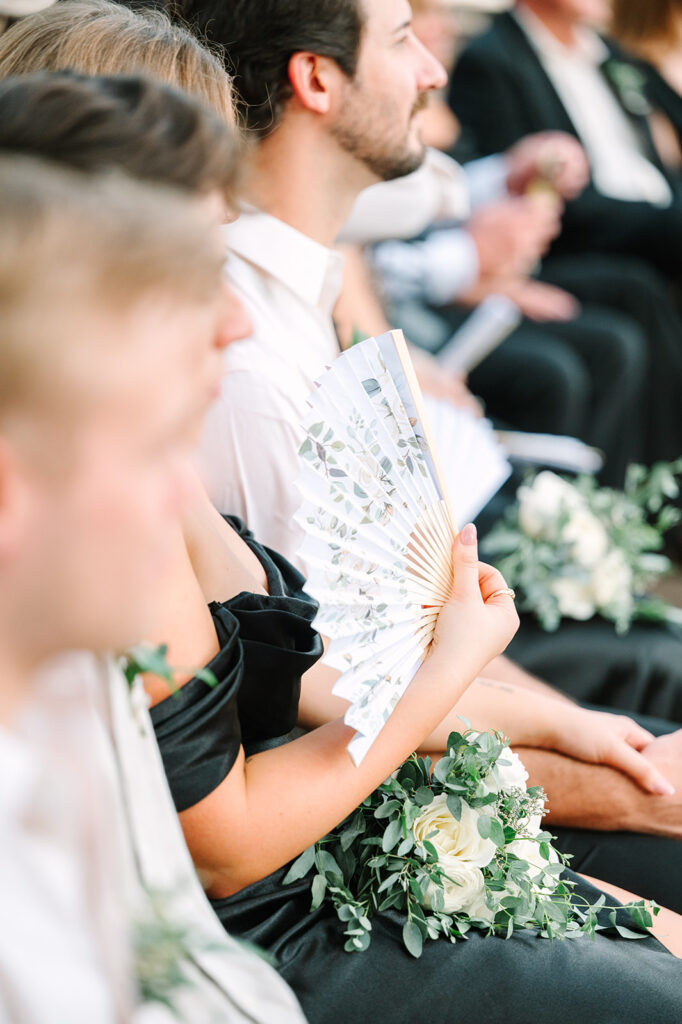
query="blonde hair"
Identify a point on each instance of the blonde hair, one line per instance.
(71, 245)
(96, 37)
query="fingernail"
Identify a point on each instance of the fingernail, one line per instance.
(662, 787)
(468, 534)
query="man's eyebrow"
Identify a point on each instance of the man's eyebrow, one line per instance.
(401, 28)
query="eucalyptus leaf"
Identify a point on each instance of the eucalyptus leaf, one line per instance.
(412, 937)
(301, 866)
(391, 835)
(319, 888)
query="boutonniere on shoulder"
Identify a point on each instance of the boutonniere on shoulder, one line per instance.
(147, 659)
(572, 549)
(455, 846)
(630, 84)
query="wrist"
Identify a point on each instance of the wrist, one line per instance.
(551, 722)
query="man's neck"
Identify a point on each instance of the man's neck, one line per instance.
(305, 181)
(560, 24)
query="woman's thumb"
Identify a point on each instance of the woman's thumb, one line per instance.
(465, 564)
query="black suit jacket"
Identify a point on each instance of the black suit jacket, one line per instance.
(500, 92)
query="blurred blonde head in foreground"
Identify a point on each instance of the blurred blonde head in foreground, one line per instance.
(110, 301)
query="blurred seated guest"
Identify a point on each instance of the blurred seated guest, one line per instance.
(431, 284)
(566, 369)
(572, 369)
(108, 299)
(434, 24)
(653, 32)
(543, 66)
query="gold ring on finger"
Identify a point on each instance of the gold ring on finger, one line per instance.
(506, 592)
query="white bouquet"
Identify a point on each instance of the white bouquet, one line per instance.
(453, 846)
(574, 550)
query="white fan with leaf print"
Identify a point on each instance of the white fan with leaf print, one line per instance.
(378, 524)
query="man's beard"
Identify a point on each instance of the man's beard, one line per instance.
(386, 159)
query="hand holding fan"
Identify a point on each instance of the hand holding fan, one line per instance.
(379, 530)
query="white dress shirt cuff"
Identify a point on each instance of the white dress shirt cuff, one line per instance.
(487, 180)
(437, 270)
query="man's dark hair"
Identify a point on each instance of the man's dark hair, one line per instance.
(260, 37)
(135, 124)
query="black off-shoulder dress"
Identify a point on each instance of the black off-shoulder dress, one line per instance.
(267, 642)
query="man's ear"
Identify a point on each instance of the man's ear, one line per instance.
(315, 81)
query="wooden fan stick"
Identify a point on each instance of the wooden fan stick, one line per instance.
(413, 384)
(424, 552)
(428, 551)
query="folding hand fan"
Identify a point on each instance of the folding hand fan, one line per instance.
(379, 531)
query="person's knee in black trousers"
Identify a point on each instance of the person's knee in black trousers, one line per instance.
(635, 288)
(615, 350)
(535, 382)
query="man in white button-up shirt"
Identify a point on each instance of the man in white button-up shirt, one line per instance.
(330, 137)
(336, 133)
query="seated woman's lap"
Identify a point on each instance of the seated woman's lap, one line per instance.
(489, 980)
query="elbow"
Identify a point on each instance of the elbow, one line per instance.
(221, 882)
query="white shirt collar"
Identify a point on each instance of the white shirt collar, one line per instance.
(589, 45)
(310, 270)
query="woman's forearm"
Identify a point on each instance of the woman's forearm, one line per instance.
(507, 671)
(524, 717)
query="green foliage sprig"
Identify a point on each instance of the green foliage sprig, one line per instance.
(376, 860)
(146, 658)
(572, 549)
(161, 948)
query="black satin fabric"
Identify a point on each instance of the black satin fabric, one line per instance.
(607, 980)
(267, 643)
(197, 728)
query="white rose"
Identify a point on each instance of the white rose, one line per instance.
(575, 597)
(463, 889)
(612, 580)
(588, 539)
(533, 826)
(543, 502)
(459, 840)
(478, 908)
(514, 775)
